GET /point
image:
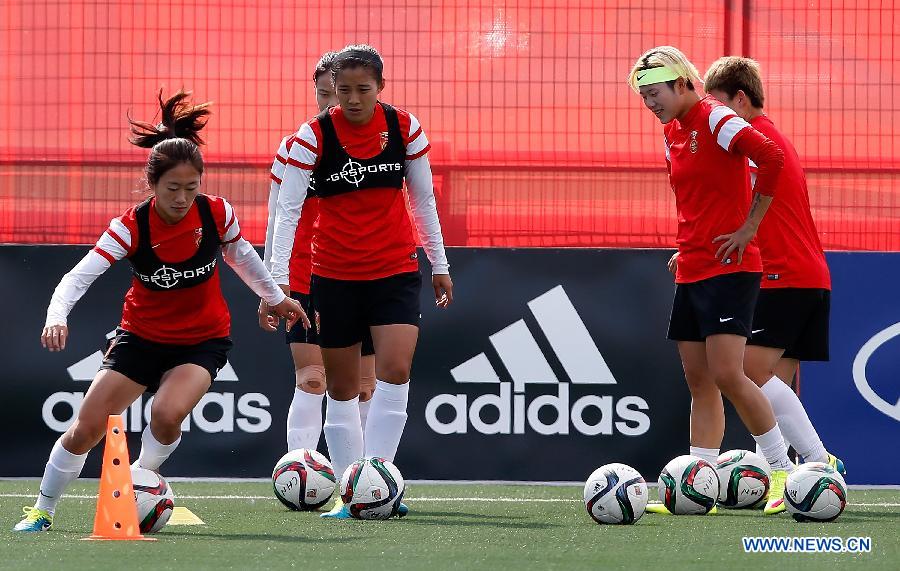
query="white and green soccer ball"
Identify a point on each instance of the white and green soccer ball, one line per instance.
(372, 488)
(689, 485)
(815, 492)
(615, 493)
(743, 479)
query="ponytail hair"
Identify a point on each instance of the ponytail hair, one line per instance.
(175, 139)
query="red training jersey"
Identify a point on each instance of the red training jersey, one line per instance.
(706, 154)
(178, 316)
(368, 234)
(791, 251)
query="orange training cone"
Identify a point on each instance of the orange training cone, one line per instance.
(116, 510)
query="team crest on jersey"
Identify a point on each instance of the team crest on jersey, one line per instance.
(198, 236)
(694, 144)
(383, 136)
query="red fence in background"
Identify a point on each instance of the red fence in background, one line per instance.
(537, 139)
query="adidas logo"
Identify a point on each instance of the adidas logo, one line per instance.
(526, 364)
(246, 412)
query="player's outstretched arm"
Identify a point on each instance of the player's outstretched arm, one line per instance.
(247, 264)
(70, 289)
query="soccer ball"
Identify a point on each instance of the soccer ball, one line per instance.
(303, 480)
(815, 492)
(154, 498)
(615, 493)
(743, 478)
(372, 488)
(689, 485)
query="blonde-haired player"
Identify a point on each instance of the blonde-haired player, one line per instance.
(718, 264)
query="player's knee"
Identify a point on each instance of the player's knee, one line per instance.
(84, 434)
(166, 421)
(729, 381)
(311, 379)
(394, 372)
(700, 383)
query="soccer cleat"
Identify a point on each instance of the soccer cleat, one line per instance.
(837, 464)
(34, 520)
(338, 511)
(657, 508)
(775, 502)
(660, 508)
(402, 510)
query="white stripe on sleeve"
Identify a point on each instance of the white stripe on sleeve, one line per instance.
(420, 142)
(278, 166)
(729, 130)
(230, 218)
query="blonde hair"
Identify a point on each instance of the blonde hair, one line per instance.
(732, 73)
(665, 56)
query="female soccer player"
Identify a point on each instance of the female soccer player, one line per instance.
(173, 337)
(790, 323)
(718, 265)
(304, 420)
(364, 268)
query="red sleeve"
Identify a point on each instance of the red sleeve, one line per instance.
(217, 207)
(767, 155)
(129, 219)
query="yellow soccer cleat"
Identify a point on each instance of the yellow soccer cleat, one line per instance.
(338, 511)
(837, 464)
(775, 502)
(34, 520)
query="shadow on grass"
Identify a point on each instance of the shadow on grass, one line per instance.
(266, 537)
(427, 513)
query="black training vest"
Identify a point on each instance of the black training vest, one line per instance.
(154, 274)
(339, 173)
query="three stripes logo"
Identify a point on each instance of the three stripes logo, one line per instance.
(526, 364)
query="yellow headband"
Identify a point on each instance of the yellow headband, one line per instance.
(655, 75)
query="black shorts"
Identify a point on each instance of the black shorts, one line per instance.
(793, 319)
(298, 334)
(145, 362)
(343, 310)
(720, 304)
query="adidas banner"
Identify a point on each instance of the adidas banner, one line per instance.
(548, 364)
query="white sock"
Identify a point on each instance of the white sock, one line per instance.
(153, 452)
(387, 418)
(794, 422)
(708, 454)
(364, 414)
(774, 449)
(62, 468)
(304, 420)
(343, 433)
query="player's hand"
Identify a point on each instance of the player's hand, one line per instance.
(267, 320)
(443, 289)
(673, 263)
(291, 311)
(54, 337)
(736, 241)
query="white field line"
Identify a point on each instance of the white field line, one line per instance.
(411, 499)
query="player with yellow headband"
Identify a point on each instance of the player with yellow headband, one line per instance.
(718, 266)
